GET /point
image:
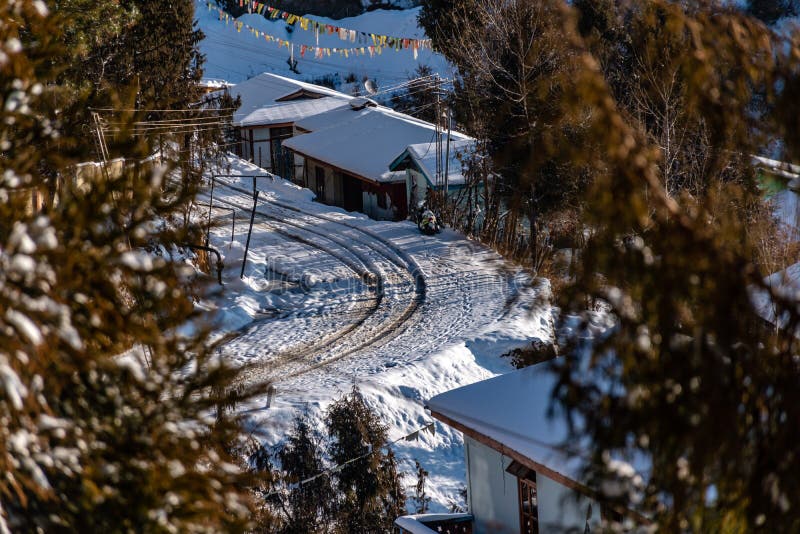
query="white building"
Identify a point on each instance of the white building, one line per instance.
(348, 152)
(519, 477)
(270, 106)
(419, 162)
(339, 146)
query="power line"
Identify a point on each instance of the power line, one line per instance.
(149, 126)
(147, 133)
(430, 427)
(141, 110)
(397, 87)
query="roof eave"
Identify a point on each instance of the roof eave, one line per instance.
(534, 465)
(511, 453)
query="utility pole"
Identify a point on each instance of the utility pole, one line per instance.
(437, 134)
(250, 231)
(447, 157)
(210, 206)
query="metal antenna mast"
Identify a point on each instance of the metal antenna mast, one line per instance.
(438, 133)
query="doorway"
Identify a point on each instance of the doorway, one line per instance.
(353, 197)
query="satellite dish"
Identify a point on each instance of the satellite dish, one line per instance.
(369, 86)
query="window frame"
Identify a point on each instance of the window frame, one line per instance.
(527, 493)
(528, 518)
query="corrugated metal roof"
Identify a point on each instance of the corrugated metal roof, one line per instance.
(364, 142)
(261, 94)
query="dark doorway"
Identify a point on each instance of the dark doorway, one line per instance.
(282, 160)
(319, 180)
(397, 192)
(353, 198)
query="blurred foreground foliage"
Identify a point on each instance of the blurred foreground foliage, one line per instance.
(108, 382)
(644, 115)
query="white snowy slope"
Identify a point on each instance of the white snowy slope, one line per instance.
(331, 298)
(236, 56)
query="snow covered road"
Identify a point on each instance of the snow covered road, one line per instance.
(331, 298)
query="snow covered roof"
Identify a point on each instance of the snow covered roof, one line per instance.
(211, 83)
(511, 410)
(424, 155)
(392, 177)
(272, 99)
(364, 141)
(291, 111)
(415, 523)
(510, 414)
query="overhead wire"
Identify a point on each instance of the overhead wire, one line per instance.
(155, 132)
(432, 79)
(145, 125)
(119, 110)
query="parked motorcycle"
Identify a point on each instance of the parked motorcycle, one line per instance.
(428, 223)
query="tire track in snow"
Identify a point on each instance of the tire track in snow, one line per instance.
(395, 254)
(461, 303)
(383, 333)
(373, 278)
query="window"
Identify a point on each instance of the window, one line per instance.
(528, 506)
(382, 199)
(528, 498)
(283, 132)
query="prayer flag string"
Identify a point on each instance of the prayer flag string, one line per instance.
(318, 52)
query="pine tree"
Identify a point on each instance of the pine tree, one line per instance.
(307, 506)
(370, 495)
(265, 486)
(148, 47)
(235, 7)
(421, 498)
(394, 498)
(162, 50)
(513, 67)
(105, 399)
(438, 19)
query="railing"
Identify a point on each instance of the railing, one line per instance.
(435, 524)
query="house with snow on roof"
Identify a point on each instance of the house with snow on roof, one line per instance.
(348, 153)
(422, 174)
(270, 106)
(520, 477)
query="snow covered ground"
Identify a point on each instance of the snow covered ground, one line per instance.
(236, 56)
(331, 298)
